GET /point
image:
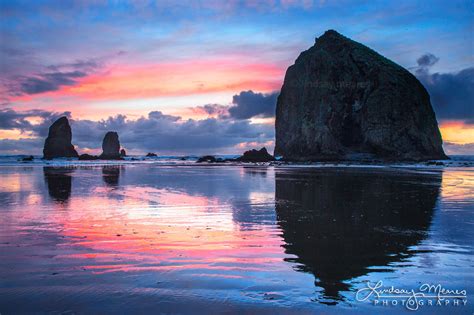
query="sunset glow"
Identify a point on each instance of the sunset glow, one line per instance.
(457, 132)
(236, 156)
(112, 65)
(122, 82)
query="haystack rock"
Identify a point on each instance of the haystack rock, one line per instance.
(110, 146)
(342, 100)
(58, 143)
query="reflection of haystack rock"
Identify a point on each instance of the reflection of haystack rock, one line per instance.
(340, 223)
(110, 175)
(59, 183)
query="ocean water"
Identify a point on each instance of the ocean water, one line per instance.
(141, 236)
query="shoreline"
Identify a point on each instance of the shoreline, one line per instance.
(452, 163)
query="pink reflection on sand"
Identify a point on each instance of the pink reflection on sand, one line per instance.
(149, 229)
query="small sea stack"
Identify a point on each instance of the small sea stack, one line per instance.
(110, 146)
(87, 157)
(27, 158)
(255, 156)
(58, 143)
(207, 159)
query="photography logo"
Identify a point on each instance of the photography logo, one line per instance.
(426, 295)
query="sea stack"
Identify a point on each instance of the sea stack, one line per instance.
(110, 146)
(256, 156)
(342, 100)
(58, 143)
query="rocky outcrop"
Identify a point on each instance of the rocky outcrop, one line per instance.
(110, 146)
(207, 159)
(256, 156)
(58, 143)
(150, 154)
(88, 157)
(27, 158)
(123, 153)
(342, 100)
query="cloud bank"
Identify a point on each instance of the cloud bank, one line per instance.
(156, 132)
(452, 94)
(248, 104)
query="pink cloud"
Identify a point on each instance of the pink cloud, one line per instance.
(171, 79)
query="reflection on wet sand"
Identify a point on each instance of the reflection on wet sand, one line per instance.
(179, 239)
(255, 171)
(340, 225)
(59, 182)
(111, 174)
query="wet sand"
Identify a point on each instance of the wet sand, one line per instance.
(150, 238)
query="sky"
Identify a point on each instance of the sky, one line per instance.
(202, 77)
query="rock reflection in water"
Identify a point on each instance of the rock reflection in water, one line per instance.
(111, 174)
(340, 224)
(59, 181)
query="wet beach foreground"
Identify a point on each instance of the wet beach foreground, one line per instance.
(151, 238)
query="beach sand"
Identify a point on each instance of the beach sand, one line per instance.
(209, 239)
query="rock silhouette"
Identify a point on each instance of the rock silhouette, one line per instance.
(111, 175)
(87, 157)
(110, 146)
(59, 181)
(28, 158)
(207, 159)
(342, 100)
(340, 223)
(58, 143)
(150, 154)
(256, 156)
(123, 153)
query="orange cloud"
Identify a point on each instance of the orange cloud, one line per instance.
(457, 132)
(15, 134)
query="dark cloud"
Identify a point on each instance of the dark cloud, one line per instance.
(249, 104)
(452, 94)
(45, 79)
(167, 133)
(157, 132)
(427, 60)
(245, 105)
(83, 65)
(157, 115)
(47, 82)
(11, 119)
(217, 110)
